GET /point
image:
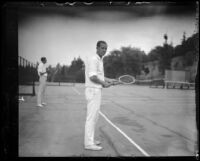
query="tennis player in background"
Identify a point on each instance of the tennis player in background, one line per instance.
(94, 82)
(42, 72)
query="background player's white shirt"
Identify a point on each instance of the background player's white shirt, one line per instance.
(94, 66)
(42, 68)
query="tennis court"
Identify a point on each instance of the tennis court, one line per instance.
(134, 121)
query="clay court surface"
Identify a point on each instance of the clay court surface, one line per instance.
(149, 121)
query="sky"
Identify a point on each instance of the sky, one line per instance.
(64, 33)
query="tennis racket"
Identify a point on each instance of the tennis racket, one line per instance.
(125, 79)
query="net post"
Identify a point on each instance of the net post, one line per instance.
(33, 83)
(34, 88)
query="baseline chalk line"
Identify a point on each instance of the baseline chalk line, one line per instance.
(127, 137)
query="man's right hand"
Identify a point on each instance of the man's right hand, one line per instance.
(106, 85)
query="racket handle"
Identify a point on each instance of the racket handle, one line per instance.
(116, 83)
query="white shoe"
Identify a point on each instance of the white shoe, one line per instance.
(40, 105)
(96, 142)
(93, 147)
(44, 103)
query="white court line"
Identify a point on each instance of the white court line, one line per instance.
(127, 137)
(76, 90)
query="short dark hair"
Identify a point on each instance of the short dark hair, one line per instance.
(101, 42)
(43, 59)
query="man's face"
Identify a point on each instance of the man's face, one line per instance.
(101, 50)
(44, 61)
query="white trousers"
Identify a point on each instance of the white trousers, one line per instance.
(41, 89)
(93, 97)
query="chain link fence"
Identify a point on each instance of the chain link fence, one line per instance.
(27, 76)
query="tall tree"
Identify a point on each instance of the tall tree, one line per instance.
(76, 69)
(127, 60)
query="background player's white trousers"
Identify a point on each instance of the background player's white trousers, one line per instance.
(93, 97)
(41, 89)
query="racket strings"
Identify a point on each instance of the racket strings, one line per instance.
(126, 79)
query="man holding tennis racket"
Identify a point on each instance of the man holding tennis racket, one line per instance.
(42, 72)
(94, 82)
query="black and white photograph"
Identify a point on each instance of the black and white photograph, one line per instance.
(107, 79)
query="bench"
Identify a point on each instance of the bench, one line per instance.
(179, 84)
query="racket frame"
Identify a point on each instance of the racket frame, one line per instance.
(132, 77)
